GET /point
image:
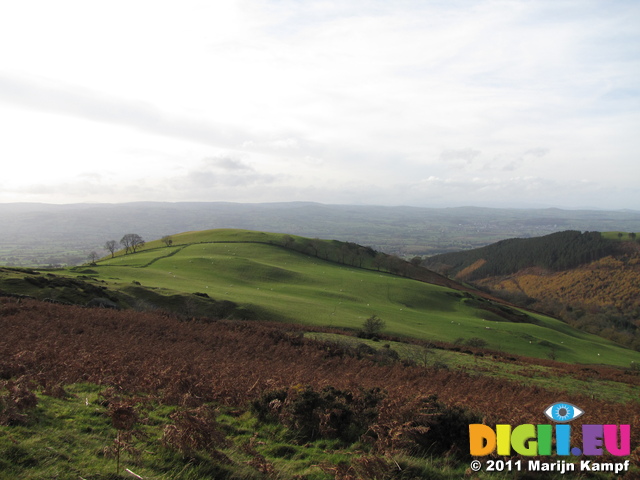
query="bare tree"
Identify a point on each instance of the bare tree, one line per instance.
(93, 257)
(424, 354)
(112, 246)
(132, 242)
(167, 240)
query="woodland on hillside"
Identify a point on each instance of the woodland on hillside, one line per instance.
(588, 280)
(602, 297)
(555, 252)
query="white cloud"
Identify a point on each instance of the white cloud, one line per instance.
(226, 163)
(335, 101)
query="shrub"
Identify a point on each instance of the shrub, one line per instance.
(424, 426)
(476, 342)
(15, 398)
(193, 430)
(372, 327)
(267, 407)
(327, 413)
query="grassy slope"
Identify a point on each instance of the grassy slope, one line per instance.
(545, 376)
(295, 287)
(71, 438)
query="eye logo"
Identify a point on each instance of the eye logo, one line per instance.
(539, 440)
(563, 412)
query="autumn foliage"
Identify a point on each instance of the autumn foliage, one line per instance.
(311, 386)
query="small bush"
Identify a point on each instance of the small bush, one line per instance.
(329, 413)
(476, 342)
(363, 349)
(425, 426)
(193, 430)
(268, 406)
(372, 327)
(15, 398)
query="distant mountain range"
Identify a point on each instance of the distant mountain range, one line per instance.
(37, 234)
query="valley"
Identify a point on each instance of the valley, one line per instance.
(240, 354)
(64, 235)
(255, 272)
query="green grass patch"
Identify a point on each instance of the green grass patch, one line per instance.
(622, 236)
(73, 437)
(254, 271)
(543, 376)
(291, 286)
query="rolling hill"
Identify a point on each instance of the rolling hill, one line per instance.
(554, 252)
(187, 380)
(45, 234)
(257, 275)
(591, 280)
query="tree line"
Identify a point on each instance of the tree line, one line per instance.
(353, 254)
(131, 242)
(345, 253)
(555, 252)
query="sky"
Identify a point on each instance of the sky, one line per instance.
(424, 103)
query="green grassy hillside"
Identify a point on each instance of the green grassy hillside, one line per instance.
(253, 270)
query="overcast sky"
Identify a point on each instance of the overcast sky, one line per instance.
(425, 103)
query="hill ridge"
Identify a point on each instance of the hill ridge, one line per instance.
(259, 281)
(598, 292)
(43, 234)
(555, 252)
